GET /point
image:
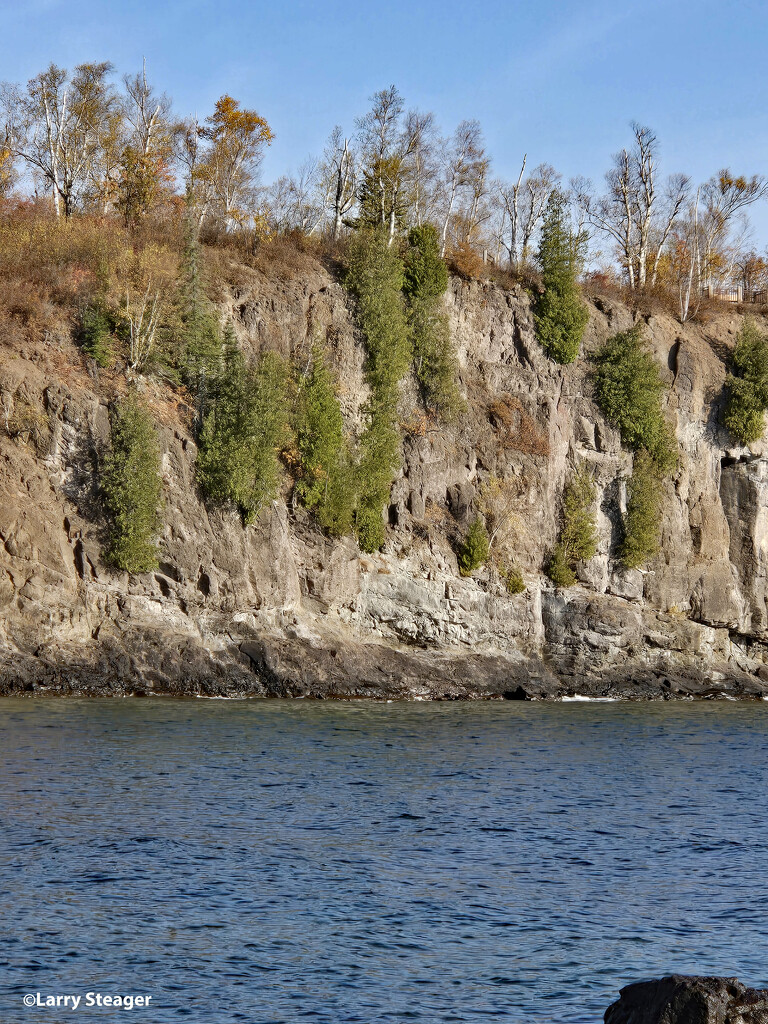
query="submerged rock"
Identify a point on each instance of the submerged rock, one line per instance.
(682, 999)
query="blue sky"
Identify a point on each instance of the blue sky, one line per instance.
(558, 79)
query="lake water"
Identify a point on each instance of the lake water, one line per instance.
(356, 862)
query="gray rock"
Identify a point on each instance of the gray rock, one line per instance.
(680, 999)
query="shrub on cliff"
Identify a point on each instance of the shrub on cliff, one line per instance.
(561, 314)
(425, 281)
(326, 482)
(747, 385)
(242, 432)
(474, 551)
(198, 330)
(375, 276)
(132, 489)
(642, 519)
(629, 389)
(97, 326)
(578, 534)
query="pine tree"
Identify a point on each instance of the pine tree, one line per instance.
(561, 315)
(200, 334)
(326, 484)
(629, 389)
(242, 433)
(578, 534)
(132, 489)
(425, 281)
(747, 386)
(474, 551)
(642, 520)
(376, 277)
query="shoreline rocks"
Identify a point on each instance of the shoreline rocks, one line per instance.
(686, 999)
(151, 662)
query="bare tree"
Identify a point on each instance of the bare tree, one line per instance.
(465, 160)
(724, 197)
(57, 127)
(686, 260)
(338, 174)
(631, 212)
(520, 209)
(393, 150)
(421, 166)
(298, 202)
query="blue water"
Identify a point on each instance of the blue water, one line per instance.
(275, 861)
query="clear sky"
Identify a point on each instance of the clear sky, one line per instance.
(558, 79)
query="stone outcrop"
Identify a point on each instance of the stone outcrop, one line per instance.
(680, 999)
(278, 608)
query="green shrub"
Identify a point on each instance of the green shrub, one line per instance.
(434, 359)
(242, 432)
(578, 534)
(132, 489)
(560, 318)
(425, 273)
(199, 335)
(513, 579)
(474, 551)
(629, 389)
(561, 315)
(326, 484)
(642, 520)
(376, 277)
(425, 281)
(559, 569)
(378, 463)
(747, 386)
(97, 326)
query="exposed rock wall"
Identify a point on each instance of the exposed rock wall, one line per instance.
(279, 608)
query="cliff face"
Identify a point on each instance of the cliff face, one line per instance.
(278, 608)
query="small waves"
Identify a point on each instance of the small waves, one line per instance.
(358, 862)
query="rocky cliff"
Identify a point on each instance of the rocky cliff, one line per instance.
(279, 609)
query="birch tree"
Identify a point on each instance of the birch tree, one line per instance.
(725, 197)
(633, 212)
(338, 171)
(391, 147)
(519, 208)
(148, 146)
(464, 160)
(236, 140)
(57, 127)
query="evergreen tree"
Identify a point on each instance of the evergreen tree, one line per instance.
(561, 315)
(242, 432)
(578, 535)
(326, 484)
(97, 326)
(425, 281)
(425, 274)
(200, 334)
(474, 551)
(642, 520)
(132, 489)
(747, 386)
(629, 389)
(376, 277)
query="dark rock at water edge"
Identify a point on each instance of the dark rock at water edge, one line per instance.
(145, 662)
(682, 999)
